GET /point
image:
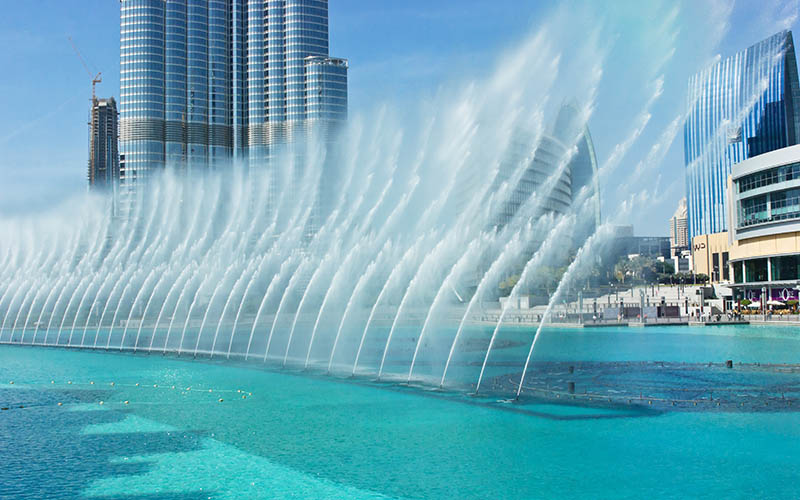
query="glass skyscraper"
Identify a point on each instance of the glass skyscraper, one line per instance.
(741, 107)
(207, 82)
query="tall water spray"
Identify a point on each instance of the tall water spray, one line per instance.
(382, 253)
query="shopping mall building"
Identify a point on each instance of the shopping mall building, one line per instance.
(760, 254)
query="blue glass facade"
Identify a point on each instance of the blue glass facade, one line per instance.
(739, 108)
(325, 89)
(207, 81)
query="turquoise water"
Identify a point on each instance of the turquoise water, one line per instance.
(300, 436)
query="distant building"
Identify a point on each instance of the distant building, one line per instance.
(626, 244)
(103, 155)
(207, 82)
(622, 231)
(679, 230)
(576, 187)
(739, 108)
(647, 246)
(682, 262)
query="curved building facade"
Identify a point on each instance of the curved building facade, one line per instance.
(204, 82)
(739, 108)
(765, 234)
(576, 184)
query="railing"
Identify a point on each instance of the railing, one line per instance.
(777, 318)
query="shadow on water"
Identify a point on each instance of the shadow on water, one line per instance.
(44, 454)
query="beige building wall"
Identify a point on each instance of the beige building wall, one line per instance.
(704, 247)
(780, 244)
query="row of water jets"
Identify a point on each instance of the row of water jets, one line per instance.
(377, 254)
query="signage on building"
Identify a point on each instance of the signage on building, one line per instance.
(779, 294)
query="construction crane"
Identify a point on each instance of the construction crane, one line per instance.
(96, 78)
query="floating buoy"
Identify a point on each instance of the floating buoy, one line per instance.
(155, 385)
(12, 382)
(238, 390)
(59, 404)
(101, 402)
(188, 388)
(91, 383)
(52, 381)
(209, 390)
(220, 400)
(173, 386)
(69, 381)
(112, 383)
(126, 402)
(137, 384)
(244, 397)
(249, 393)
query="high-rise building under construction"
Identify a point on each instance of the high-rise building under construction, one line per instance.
(103, 155)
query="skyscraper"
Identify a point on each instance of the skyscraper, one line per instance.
(679, 229)
(204, 82)
(741, 107)
(103, 154)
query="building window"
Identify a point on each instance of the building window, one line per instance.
(755, 270)
(768, 177)
(726, 274)
(785, 268)
(715, 267)
(738, 275)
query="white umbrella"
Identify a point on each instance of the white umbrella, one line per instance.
(754, 305)
(775, 303)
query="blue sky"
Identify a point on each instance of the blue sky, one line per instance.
(400, 53)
